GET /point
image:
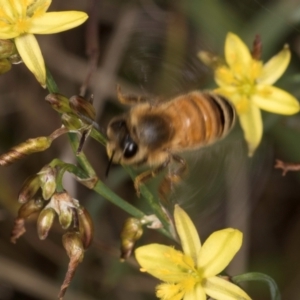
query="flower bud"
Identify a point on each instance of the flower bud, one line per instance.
(29, 188)
(47, 179)
(45, 221)
(7, 48)
(5, 65)
(86, 227)
(59, 103)
(20, 151)
(83, 109)
(65, 217)
(210, 59)
(30, 207)
(131, 232)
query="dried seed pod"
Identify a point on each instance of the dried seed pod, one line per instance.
(45, 221)
(74, 248)
(20, 151)
(29, 188)
(131, 232)
(86, 227)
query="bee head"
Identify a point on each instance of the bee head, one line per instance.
(121, 147)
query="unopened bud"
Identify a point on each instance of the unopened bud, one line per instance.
(20, 151)
(5, 65)
(131, 232)
(59, 103)
(74, 248)
(45, 221)
(86, 227)
(210, 60)
(65, 217)
(7, 48)
(30, 207)
(47, 179)
(29, 188)
(83, 109)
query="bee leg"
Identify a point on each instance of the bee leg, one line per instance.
(172, 177)
(143, 177)
(130, 99)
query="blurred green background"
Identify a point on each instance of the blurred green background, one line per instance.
(150, 47)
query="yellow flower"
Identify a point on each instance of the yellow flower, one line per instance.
(247, 82)
(191, 274)
(21, 19)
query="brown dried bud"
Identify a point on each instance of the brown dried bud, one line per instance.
(86, 227)
(5, 65)
(83, 109)
(131, 232)
(45, 221)
(59, 103)
(88, 182)
(74, 248)
(29, 188)
(7, 48)
(25, 211)
(73, 244)
(20, 151)
(47, 179)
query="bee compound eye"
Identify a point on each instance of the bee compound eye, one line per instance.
(130, 147)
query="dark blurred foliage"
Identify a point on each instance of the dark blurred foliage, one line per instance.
(149, 47)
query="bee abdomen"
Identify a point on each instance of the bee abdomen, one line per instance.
(213, 117)
(226, 112)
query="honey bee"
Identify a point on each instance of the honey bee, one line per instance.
(155, 133)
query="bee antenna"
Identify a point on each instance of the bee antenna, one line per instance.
(109, 164)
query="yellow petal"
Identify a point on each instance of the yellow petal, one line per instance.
(275, 67)
(19, 8)
(31, 55)
(169, 291)
(162, 262)
(197, 294)
(218, 250)
(275, 100)
(7, 31)
(187, 232)
(38, 7)
(221, 289)
(252, 126)
(237, 55)
(54, 22)
(7, 10)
